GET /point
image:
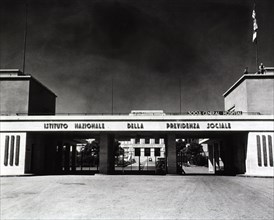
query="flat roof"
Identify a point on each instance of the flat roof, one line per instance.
(133, 117)
(15, 74)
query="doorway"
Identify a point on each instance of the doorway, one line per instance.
(140, 156)
(80, 156)
(199, 156)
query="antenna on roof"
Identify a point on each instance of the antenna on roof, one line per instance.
(25, 38)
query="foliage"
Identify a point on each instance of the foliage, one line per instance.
(118, 150)
(89, 155)
(91, 149)
(191, 153)
(180, 145)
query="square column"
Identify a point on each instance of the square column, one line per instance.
(211, 158)
(171, 154)
(67, 157)
(106, 154)
(73, 158)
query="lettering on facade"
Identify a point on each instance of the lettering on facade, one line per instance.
(182, 126)
(55, 125)
(89, 126)
(214, 112)
(135, 126)
(218, 126)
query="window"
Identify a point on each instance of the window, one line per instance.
(157, 152)
(147, 152)
(137, 152)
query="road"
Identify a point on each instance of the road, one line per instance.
(136, 197)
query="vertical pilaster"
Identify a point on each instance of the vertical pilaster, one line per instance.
(171, 154)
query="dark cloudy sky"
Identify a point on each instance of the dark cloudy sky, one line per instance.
(75, 47)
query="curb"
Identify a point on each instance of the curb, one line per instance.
(254, 176)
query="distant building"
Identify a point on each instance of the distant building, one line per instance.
(146, 148)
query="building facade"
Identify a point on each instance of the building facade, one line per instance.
(39, 142)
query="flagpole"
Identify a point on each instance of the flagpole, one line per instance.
(257, 54)
(180, 97)
(25, 39)
(255, 34)
(112, 94)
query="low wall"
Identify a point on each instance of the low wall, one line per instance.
(12, 157)
(260, 155)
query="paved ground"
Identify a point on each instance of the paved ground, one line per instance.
(136, 197)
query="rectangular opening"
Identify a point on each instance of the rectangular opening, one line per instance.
(259, 154)
(6, 153)
(17, 150)
(270, 150)
(11, 150)
(264, 151)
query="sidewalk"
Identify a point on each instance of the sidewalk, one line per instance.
(136, 197)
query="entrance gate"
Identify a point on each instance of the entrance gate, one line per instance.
(78, 158)
(140, 158)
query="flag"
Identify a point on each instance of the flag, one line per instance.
(255, 26)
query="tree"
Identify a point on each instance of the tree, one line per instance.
(118, 150)
(194, 155)
(90, 153)
(180, 145)
(91, 149)
(191, 153)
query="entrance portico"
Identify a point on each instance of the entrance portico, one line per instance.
(242, 151)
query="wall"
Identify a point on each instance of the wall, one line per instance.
(41, 100)
(252, 93)
(12, 157)
(14, 96)
(260, 155)
(238, 98)
(260, 95)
